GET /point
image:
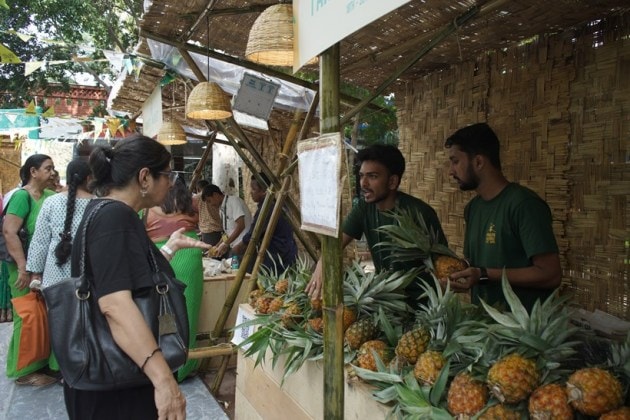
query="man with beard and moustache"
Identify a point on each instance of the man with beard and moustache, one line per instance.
(382, 167)
(507, 225)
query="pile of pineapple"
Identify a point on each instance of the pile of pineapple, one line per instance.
(476, 362)
(447, 359)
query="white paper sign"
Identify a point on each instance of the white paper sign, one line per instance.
(241, 334)
(256, 96)
(319, 161)
(152, 113)
(322, 23)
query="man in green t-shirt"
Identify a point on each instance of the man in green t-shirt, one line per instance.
(507, 225)
(381, 170)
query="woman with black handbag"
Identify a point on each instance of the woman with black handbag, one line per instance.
(133, 175)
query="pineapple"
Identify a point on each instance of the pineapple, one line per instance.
(317, 324)
(253, 297)
(445, 265)
(316, 305)
(412, 344)
(368, 350)
(513, 378)
(499, 412)
(262, 303)
(360, 332)
(428, 367)
(466, 396)
(622, 413)
(410, 239)
(276, 304)
(594, 391)
(349, 317)
(550, 402)
(282, 286)
(292, 314)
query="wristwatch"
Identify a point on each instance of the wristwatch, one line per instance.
(483, 276)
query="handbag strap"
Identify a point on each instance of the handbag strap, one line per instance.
(93, 211)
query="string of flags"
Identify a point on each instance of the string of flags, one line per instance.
(131, 63)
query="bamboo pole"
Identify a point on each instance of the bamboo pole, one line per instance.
(271, 227)
(224, 349)
(296, 227)
(332, 255)
(202, 161)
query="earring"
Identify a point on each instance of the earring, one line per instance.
(143, 192)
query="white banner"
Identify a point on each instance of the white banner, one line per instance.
(321, 23)
(152, 113)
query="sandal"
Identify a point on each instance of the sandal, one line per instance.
(9, 315)
(35, 379)
(3, 315)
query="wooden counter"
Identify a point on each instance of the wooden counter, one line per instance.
(259, 394)
(215, 290)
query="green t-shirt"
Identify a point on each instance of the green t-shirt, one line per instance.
(364, 218)
(19, 205)
(508, 231)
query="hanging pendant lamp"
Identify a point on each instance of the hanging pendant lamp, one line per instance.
(271, 37)
(207, 101)
(171, 133)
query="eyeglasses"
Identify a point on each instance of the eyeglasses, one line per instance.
(172, 175)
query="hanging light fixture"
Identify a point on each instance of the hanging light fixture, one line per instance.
(271, 37)
(171, 133)
(207, 101)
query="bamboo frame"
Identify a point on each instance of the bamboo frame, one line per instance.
(332, 260)
(202, 162)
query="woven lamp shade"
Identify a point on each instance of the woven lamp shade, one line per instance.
(207, 101)
(171, 134)
(271, 37)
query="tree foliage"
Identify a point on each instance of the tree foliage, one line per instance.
(85, 28)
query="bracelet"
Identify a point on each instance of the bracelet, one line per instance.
(148, 357)
(168, 250)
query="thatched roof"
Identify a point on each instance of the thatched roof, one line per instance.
(371, 55)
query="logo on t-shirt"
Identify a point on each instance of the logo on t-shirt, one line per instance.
(491, 235)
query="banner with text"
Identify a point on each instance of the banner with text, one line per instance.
(321, 23)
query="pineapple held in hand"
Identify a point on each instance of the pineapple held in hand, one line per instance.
(410, 239)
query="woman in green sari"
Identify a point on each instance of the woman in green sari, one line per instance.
(36, 175)
(177, 213)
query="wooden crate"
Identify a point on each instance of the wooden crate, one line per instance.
(215, 290)
(260, 393)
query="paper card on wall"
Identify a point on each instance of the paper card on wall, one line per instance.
(242, 333)
(319, 162)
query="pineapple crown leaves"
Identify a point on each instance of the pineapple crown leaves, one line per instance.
(410, 239)
(369, 291)
(391, 333)
(619, 358)
(422, 402)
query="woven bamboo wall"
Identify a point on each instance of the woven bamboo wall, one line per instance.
(9, 167)
(560, 109)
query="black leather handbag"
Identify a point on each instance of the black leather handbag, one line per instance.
(80, 336)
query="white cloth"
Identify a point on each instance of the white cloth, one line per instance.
(7, 197)
(41, 252)
(231, 209)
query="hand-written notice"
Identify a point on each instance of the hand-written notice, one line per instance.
(320, 169)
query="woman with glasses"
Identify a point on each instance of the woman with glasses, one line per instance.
(175, 213)
(134, 174)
